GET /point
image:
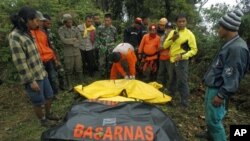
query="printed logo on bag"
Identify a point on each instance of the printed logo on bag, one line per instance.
(114, 133)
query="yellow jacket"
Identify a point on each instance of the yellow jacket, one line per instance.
(175, 46)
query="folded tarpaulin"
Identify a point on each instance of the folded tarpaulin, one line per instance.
(114, 121)
(123, 90)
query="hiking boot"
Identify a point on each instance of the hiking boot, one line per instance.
(204, 135)
(47, 123)
(51, 116)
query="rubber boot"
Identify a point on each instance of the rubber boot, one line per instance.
(69, 82)
(79, 78)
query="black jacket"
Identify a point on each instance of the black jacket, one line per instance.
(133, 36)
(228, 67)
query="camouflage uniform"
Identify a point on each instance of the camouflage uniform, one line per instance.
(105, 42)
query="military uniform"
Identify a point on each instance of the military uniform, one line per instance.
(105, 42)
(71, 38)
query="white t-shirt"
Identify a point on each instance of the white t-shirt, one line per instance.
(123, 48)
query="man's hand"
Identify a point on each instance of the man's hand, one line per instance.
(178, 58)
(175, 36)
(126, 77)
(217, 101)
(34, 86)
(132, 77)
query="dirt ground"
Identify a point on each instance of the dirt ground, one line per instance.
(18, 121)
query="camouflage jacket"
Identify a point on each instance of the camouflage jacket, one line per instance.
(105, 37)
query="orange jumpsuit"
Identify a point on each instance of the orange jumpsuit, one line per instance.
(128, 56)
(149, 46)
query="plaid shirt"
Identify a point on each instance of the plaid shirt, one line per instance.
(26, 57)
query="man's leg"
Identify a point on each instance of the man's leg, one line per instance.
(48, 94)
(52, 75)
(161, 72)
(214, 116)
(182, 80)
(78, 69)
(38, 99)
(172, 79)
(69, 67)
(39, 112)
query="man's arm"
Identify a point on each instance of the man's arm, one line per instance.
(234, 69)
(68, 41)
(120, 69)
(193, 47)
(19, 60)
(168, 42)
(131, 58)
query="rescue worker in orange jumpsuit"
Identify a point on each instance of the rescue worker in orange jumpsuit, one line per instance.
(124, 60)
(148, 53)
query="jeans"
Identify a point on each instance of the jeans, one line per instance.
(39, 97)
(52, 75)
(214, 116)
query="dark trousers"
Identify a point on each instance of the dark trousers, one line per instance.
(178, 76)
(163, 72)
(89, 61)
(52, 75)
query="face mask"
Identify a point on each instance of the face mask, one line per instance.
(153, 35)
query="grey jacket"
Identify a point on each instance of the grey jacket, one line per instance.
(228, 67)
(86, 42)
(71, 39)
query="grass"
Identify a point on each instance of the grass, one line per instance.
(18, 121)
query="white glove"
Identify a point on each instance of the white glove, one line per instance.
(126, 77)
(132, 77)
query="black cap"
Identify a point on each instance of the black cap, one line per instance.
(169, 25)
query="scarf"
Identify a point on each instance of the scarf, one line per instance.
(87, 29)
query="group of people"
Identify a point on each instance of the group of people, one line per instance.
(162, 54)
(155, 52)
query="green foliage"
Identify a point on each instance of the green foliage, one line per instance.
(5, 55)
(245, 27)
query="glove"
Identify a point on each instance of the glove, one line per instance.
(126, 77)
(132, 77)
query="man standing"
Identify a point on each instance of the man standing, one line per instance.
(133, 34)
(182, 45)
(97, 23)
(27, 60)
(47, 55)
(164, 28)
(87, 46)
(47, 23)
(148, 54)
(106, 36)
(223, 76)
(71, 39)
